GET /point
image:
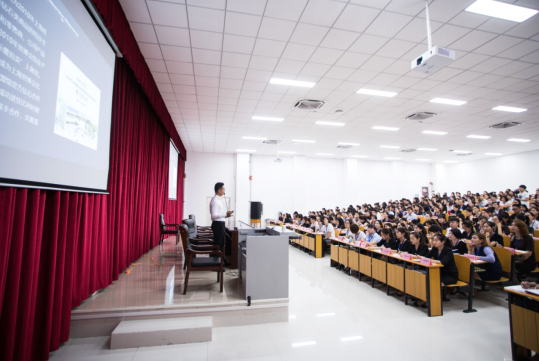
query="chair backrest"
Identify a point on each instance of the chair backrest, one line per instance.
(536, 244)
(506, 241)
(192, 216)
(185, 238)
(536, 232)
(191, 227)
(504, 255)
(463, 265)
(162, 221)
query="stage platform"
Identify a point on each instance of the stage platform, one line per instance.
(150, 291)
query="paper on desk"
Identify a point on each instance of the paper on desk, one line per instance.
(517, 288)
(533, 292)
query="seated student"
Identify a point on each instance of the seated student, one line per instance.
(419, 228)
(480, 248)
(288, 218)
(468, 230)
(459, 246)
(314, 224)
(442, 253)
(493, 238)
(306, 222)
(328, 230)
(454, 223)
(433, 230)
(403, 244)
(346, 232)
(410, 215)
(335, 222)
(378, 227)
(388, 240)
(522, 241)
(281, 217)
(372, 237)
(357, 235)
(419, 247)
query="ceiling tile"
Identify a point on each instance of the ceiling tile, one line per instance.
(238, 44)
(511, 68)
(285, 9)
(472, 40)
(255, 7)
(206, 40)
(352, 60)
(206, 70)
(497, 45)
(339, 39)
(490, 65)
(447, 34)
(445, 10)
(338, 72)
(233, 73)
(271, 48)
(312, 69)
(326, 56)
(520, 50)
(498, 26)
(179, 67)
(172, 36)
(214, 4)
(298, 52)
(161, 77)
(407, 7)
(289, 66)
(211, 57)
(416, 30)
(377, 63)
(242, 24)
(206, 19)
(468, 20)
(182, 79)
(368, 44)
(263, 63)
(308, 34)
(150, 51)
(156, 65)
(467, 61)
(235, 60)
(395, 48)
(205, 81)
(388, 24)
(258, 75)
(321, 12)
(525, 29)
(356, 18)
(276, 29)
(163, 13)
(144, 33)
(531, 58)
(136, 10)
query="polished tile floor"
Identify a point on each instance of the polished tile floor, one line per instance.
(150, 285)
(333, 316)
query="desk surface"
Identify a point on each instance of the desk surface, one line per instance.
(516, 290)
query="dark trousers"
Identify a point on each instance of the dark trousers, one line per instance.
(218, 229)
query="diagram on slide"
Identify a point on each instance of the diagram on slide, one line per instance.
(77, 105)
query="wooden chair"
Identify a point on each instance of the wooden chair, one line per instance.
(536, 244)
(202, 229)
(214, 261)
(463, 266)
(506, 241)
(504, 255)
(164, 231)
(536, 232)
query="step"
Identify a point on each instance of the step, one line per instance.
(159, 332)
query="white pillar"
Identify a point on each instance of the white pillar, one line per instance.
(299, 181)
(243, 189)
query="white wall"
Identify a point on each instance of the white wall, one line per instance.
(494, 174)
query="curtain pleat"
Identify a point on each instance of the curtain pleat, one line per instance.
(57, 248)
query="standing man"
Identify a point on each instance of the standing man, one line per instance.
(218, 212)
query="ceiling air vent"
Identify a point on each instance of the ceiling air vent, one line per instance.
(421, 116)
(407, 150)
(309, 104)
(505, 125)
(272, 141)
(345, 146)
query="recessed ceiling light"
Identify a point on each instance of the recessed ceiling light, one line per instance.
(461, 151)
(323, 154)
(360, 156)
(304, 84)
(376, 92)
(493, 154)
(299, 344)
(254, 138)
(322, 122)
(448, 101)
(302, 141)
(246, 150)
(385, 128)
(392, 158)
(433, 132)
(510, 109)
(425, 160)
(353, 338)
(325, 314)
(389, 146)
(352, 144)
(284, 152)
(450, 161)
(518, 140)
(478, 136)
(428, 149)
(501, 10)
(258, 117)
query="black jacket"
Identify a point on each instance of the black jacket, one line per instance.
(392, 243)
(421, 251)
(461, 247)
(405, 246)
(447, 260)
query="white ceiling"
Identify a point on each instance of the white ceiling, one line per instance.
(213, 59)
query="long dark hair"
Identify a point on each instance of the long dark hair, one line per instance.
(388, 232)
(420, 237)
(404, 231)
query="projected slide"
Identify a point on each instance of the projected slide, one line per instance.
(77, 105)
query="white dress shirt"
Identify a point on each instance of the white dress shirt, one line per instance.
(218, 208)
(327, 230)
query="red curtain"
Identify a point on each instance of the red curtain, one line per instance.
(57, 248)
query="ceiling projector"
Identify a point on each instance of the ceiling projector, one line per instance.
(433, 60)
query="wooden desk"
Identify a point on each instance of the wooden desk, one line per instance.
(523, 322)
(309, 242)
(231, 247)
(403, 277)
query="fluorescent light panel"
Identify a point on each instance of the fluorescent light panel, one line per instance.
(510, 109)
(448, 101)
(254, 138)
(478, 136)
(384, 128)
(518, 140)
(501, 10)
(304, 84)
(260, 117)
(323, 154)
(352, 144)
(461, 151)
(353, 338)
(391, 158)
(246, 150)
(493, 154)
(376, 92)
(433, 132)
(302, 141)
(322, 122)
(299, 344)
(389, 146)
(427, 149)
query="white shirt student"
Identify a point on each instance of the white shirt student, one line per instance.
(327, 229)
(524, 196)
